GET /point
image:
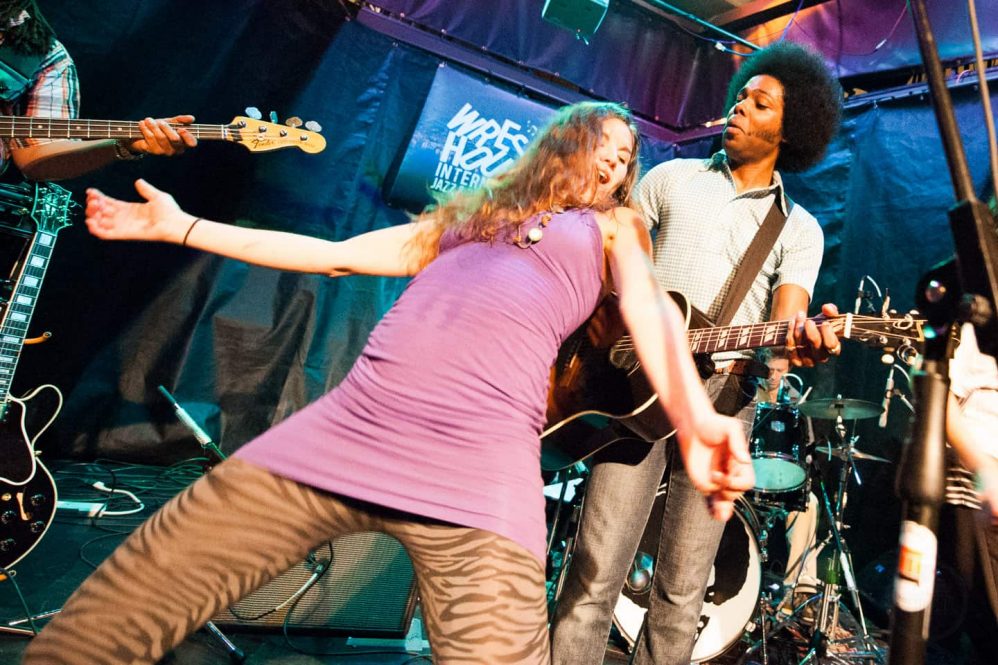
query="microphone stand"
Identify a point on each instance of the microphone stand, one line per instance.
(920, 478)
(214, 455)
(211, 451)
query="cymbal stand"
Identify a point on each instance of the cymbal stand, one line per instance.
(828, 611)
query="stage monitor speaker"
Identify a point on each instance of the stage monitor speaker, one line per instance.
(580, 16)
(368, 588)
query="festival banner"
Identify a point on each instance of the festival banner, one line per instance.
(468, 131)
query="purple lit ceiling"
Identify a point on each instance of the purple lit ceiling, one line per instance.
(669, 69)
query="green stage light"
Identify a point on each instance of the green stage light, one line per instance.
(583, 17)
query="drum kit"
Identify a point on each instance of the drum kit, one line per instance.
(739, 608)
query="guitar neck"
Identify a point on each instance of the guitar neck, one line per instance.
(737, 338)
(17, 315)
(66, 128)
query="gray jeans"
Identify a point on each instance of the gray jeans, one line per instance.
(619, 496)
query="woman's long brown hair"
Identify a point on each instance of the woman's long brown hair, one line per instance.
(557, 172)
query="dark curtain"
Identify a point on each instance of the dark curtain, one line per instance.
(662, 72)
(240, 347)
(882, 195)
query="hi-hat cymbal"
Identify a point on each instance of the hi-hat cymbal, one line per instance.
(843, 452)
(849, 409)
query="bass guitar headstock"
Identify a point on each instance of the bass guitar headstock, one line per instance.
(261, 136)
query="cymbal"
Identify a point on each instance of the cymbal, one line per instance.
(849, 409)
(842, 452)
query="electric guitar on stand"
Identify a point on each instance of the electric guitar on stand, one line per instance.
(597, 383)
(27, 490)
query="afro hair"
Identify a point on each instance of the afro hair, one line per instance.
(812, 100)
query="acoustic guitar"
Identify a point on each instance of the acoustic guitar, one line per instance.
(599, 393)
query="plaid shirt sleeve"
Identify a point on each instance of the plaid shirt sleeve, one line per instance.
(54, 93)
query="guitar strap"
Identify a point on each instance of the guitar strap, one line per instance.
(16, 72)
(751, 263)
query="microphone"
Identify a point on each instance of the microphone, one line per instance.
(888, 392)
(206, 443)
(859, 295)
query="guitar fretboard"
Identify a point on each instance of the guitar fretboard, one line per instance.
(730, 338)
(66, 128)
(17, 315)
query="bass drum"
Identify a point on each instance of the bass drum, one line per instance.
(732, 593)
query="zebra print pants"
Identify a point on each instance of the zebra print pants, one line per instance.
(482, 595)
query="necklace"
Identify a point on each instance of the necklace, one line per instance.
(534, 235)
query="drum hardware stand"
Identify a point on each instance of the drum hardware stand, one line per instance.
(558, 580)
(840, 562)
(827, 615)
(766, 610)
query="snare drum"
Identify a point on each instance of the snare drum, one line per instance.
(730, 599)
(778, 445)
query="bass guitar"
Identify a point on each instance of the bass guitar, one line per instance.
(599, 393)
(27, 490)
(255, 135)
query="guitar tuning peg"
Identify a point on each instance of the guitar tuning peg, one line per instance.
(273, 117)
(293, 121)
(253, 112)
(313, 126)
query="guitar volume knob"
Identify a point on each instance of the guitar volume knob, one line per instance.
(37, 527)
(7, 544)
(7, 517)
(38, 499)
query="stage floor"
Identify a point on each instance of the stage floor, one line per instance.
(75, 543)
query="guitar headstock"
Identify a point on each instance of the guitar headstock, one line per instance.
(50, 208)
(260, 136)
(887, 332)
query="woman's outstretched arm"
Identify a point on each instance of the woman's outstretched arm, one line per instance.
(387, 252)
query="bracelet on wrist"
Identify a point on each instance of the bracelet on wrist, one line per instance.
(190, 228)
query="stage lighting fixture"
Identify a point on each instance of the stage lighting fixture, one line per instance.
(583, 17)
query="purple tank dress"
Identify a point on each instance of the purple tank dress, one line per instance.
(441, 414)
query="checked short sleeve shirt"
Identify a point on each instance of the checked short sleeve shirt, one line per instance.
(54, 92)
(702, 227)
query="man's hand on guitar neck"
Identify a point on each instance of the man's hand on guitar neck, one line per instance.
(808, 343)
(160, 137)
